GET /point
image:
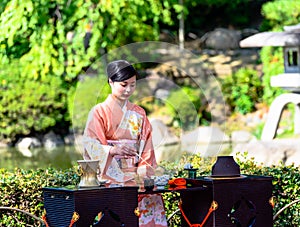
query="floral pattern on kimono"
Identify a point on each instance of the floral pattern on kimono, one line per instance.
(133, 122)
(152, 206)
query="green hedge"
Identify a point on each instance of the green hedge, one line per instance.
(28, 106)
(22, 189)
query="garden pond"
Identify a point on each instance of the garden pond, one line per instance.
(65, 157)
(62, 157)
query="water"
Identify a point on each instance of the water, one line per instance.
(66, 157)
(63, 157)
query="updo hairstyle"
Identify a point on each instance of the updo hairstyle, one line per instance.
(120, 70)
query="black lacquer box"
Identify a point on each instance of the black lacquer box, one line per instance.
(99, 207)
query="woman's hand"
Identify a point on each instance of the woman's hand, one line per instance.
(123, 151)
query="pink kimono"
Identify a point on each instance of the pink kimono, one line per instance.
(110, 124)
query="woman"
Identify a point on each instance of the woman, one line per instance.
(118, 133)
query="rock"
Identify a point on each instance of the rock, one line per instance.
(25, 144)
(241, 136)
(28, 142)
(162, 94)
(268, 153)
(161, 134)
(51, 141)
(222, 39)
(294, 159)
(69, 139)
(3, 145)
(166, 144)
(167, 36)
(208, 141)
(170, 153)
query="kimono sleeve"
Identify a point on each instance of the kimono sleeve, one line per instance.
(94, 140)
(95, 125)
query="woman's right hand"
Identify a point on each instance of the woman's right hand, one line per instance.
(123, 151)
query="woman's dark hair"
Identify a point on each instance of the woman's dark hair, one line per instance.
(120, 70)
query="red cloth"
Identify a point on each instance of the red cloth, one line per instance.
(177, 183)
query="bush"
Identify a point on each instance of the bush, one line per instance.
(22, 189)
(278, 13)
(29, 106)
(272, 60)
(186, 108)
(242, 90)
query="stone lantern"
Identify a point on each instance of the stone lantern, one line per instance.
(289, 39)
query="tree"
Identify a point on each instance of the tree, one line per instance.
(45, 45)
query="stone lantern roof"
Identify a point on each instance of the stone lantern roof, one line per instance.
(289, 37)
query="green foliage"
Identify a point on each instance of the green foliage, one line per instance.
(272, 59)
(28, 106)
(257, 132)
(22, 189)
(45, 45)
(89, 92)
(65, 37)
(242, 90)
(279, 13)
(186, 107)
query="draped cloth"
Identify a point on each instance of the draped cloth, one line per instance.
(108, 124)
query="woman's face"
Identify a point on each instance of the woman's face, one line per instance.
(124, 89)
